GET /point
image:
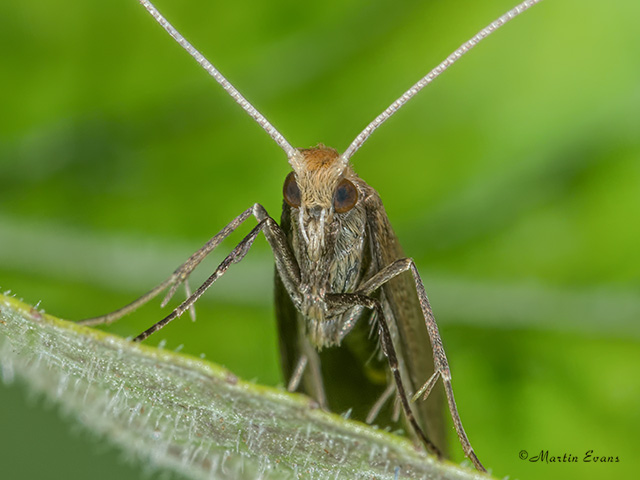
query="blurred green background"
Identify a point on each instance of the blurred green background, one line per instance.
(513, 180)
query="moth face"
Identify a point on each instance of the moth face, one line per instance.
(317, 191)
(344, 198)
(320, 182)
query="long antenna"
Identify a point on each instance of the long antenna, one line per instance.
(291, 152)
(432, 75)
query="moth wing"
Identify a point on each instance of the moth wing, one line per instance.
(407, 325)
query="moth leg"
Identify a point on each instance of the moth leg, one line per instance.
(284, 260)
(314, 381)
(425, 390)
(121, 312)
(237, 254)
(183, 271)
(441, 364)
(177, 277)
(294, 381)
(316, 378)
(343, 301)
(375, 409)
(286, 263)
(188, 292)
(311, 361)
(396, 410)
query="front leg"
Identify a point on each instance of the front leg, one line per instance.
(179, 275)
(285, 262)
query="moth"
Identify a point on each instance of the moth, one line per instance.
(355, 325)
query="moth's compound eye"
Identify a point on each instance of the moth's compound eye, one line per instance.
(345, 196)
(290, 191)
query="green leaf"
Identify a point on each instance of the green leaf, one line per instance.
(174, 412)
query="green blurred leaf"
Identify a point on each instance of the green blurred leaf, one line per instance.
(178, 413)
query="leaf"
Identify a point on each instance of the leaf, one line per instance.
(175, 412)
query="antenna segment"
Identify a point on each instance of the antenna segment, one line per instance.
(228, 87)
(432, 75)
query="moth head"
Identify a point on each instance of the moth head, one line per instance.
(321, 182)
(304, 161)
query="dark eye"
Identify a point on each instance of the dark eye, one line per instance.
(345, 196)
(291, 191)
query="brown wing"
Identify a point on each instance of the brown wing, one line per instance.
(403, 312)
